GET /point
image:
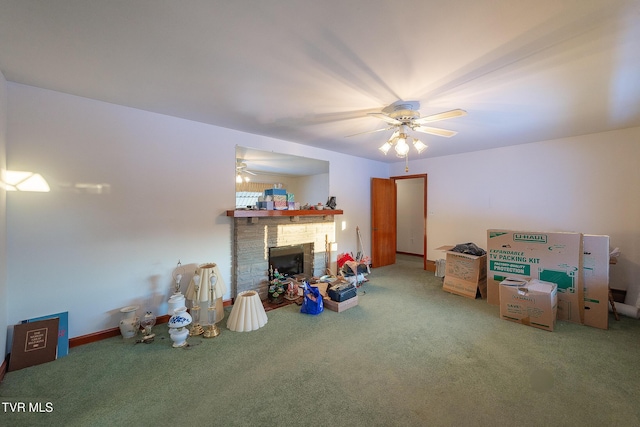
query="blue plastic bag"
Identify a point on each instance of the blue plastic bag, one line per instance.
(312, 303)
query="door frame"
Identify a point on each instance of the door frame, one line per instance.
(424, 213)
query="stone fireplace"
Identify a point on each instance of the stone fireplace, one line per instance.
(254, 235)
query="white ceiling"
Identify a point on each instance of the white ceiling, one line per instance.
(308, 71)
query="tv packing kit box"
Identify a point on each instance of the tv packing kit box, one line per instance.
(465, 274)
(547, 256)
(529, 302)
(596, 280)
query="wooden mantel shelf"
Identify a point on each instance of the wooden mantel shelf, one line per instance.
(262, 213)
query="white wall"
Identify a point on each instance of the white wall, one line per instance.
(585, 184)
(3, 223)
(410, 217)
(170, 182)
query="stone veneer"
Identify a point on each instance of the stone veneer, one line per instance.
(252, 238)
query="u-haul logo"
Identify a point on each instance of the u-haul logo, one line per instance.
(533, 238)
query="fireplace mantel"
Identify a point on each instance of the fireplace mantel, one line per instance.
(249, 213)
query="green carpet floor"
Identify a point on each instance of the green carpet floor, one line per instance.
(409, 354)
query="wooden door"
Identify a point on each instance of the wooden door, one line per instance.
(383, 222)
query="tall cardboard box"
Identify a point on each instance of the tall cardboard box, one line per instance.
(547, 256)
(530, 302)
(596, 280)
(465, 274)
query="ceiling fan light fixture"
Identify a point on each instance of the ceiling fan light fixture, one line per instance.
(419, 145)
(238, 178)
(385, 147)
(404, 116)
(402, 148)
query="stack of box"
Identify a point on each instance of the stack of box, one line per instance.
(279, 198)
(550, 257)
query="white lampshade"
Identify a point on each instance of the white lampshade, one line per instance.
(419, 145)
(238, 178)
(247, 313)
(385, 147)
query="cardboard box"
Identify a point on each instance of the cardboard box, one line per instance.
(596, 280)
(340, 306)
(465, 274)
(529, 302)
(275, 191)
(265, 205)
(550, 257)
(280, 202)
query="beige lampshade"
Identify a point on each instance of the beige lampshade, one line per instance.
(247, 313)
(206, 272)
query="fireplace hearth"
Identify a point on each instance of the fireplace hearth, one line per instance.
(253, 238)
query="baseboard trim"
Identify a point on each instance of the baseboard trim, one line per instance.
(114, 332)
(409, 253)
(431, 266)
(108, 333)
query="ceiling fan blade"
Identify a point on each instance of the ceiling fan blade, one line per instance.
(249, 172)
(435, 131)
(386, 118)
(441, 116)
(370, 131)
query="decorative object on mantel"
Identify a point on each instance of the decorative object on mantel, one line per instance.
(331, 202)
(178, 327)
(129, 322)
(206, 272)
(247, 313)
(239, 213)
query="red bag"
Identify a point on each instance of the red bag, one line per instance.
(343, 258)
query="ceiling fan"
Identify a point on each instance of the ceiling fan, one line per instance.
(403, 116)
(242, 172)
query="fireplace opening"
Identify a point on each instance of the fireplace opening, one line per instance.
(291, 260)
